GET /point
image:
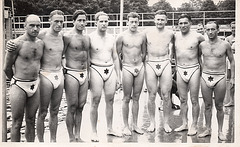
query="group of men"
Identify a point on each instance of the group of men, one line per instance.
(48, 61)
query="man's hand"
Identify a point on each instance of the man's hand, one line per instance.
(11, 46)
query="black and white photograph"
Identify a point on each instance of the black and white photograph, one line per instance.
(119, 73)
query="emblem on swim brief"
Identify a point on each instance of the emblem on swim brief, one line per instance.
(32, 87)
(136, 70)
(210, 79)
(106, 71)
(81, 75)
(158, 66)
(185, 73)
(56, 77)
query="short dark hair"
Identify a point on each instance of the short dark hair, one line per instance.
(133, 15)
(99, 14)
(161, 12)
(214, 22)
(56, 12)
(78, 12)
(184, 15)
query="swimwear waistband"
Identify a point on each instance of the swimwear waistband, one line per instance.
(214, 73)
(188, 66)
(124, 64)
(72, 69)
(158, 60)
(100, 65)
(52, 71)
(23, 80)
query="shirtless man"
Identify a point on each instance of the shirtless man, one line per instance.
(76, 46)
(104, 73)
(24, 53)
(132, 45)
(51, 75)
(231, 40)
(214, 52)
(188, 70)
(158, 68)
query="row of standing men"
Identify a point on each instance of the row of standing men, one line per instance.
(40, 64)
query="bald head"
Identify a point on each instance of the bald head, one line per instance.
(32, 18)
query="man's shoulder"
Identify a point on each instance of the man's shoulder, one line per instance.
(42, 33)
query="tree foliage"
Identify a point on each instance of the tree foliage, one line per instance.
(227, 5)
(162, 5)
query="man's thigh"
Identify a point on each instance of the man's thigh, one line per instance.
(18, 101)
(182, 86)
(194, 84)
(220, 91)
(127, 82)
(46, 89)
(138, 82)
(165, 80)
(32, 104)
(83, 91)
(71, 89)
(96, 83)
(207, 92)
(57, 96)
(151, 79)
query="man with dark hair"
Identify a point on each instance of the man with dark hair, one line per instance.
(214, 52)
(158, 69)
(231, 39)
(188, 62)
(24, 54)
(131, 44)
(51, 75)
(76, 51)
(104, 73)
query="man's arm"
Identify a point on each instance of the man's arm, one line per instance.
(144, 48)
(10, 58)
(119, 45)
(117, 65)
(232, 63)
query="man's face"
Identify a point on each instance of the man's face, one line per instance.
(200, 29)
(133, 24)
(80, 22)
(33, 26)
(211, 30)
(184, 25)
(57, 22)
(102, 23)
(160, 21)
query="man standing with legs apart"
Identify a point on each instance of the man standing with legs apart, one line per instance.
(188, 70)
(158, 68)
(76, 46)
(51, 75)
(214, 52)
(24, 53)
(104, 73)
(132, 45)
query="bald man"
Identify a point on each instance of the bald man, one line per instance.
(24, 54)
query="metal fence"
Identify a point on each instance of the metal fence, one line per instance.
(146, 19)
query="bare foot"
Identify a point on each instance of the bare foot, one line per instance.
(181, 128)
(137, 130)
(167, 128)
(113, 133)
(206, 133)
(78, 139)
(94, 137)
(151, 128)
(72, 140)
(126, 131)
(230, 104)
(192, 131)
(221, 136)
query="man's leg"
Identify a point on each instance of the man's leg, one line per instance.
(71, 88)
(183, 93)
(231, 90)
(127, 82)
(54, 109)
(208, 101)
(165, 86)
(137, 89)
(109, 90)
(31, 110)
(96, 86)
(45, 97)
(81, 102)
(151, 82)
(219, 92)
(17, 98)
(194, 85)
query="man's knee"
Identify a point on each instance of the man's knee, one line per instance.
(72, 108)
(208, 106)
(183, 100)
(82, 104)
(30, 120)
(195, 101)
(17, 123)
(219, 106)
(42, 113)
